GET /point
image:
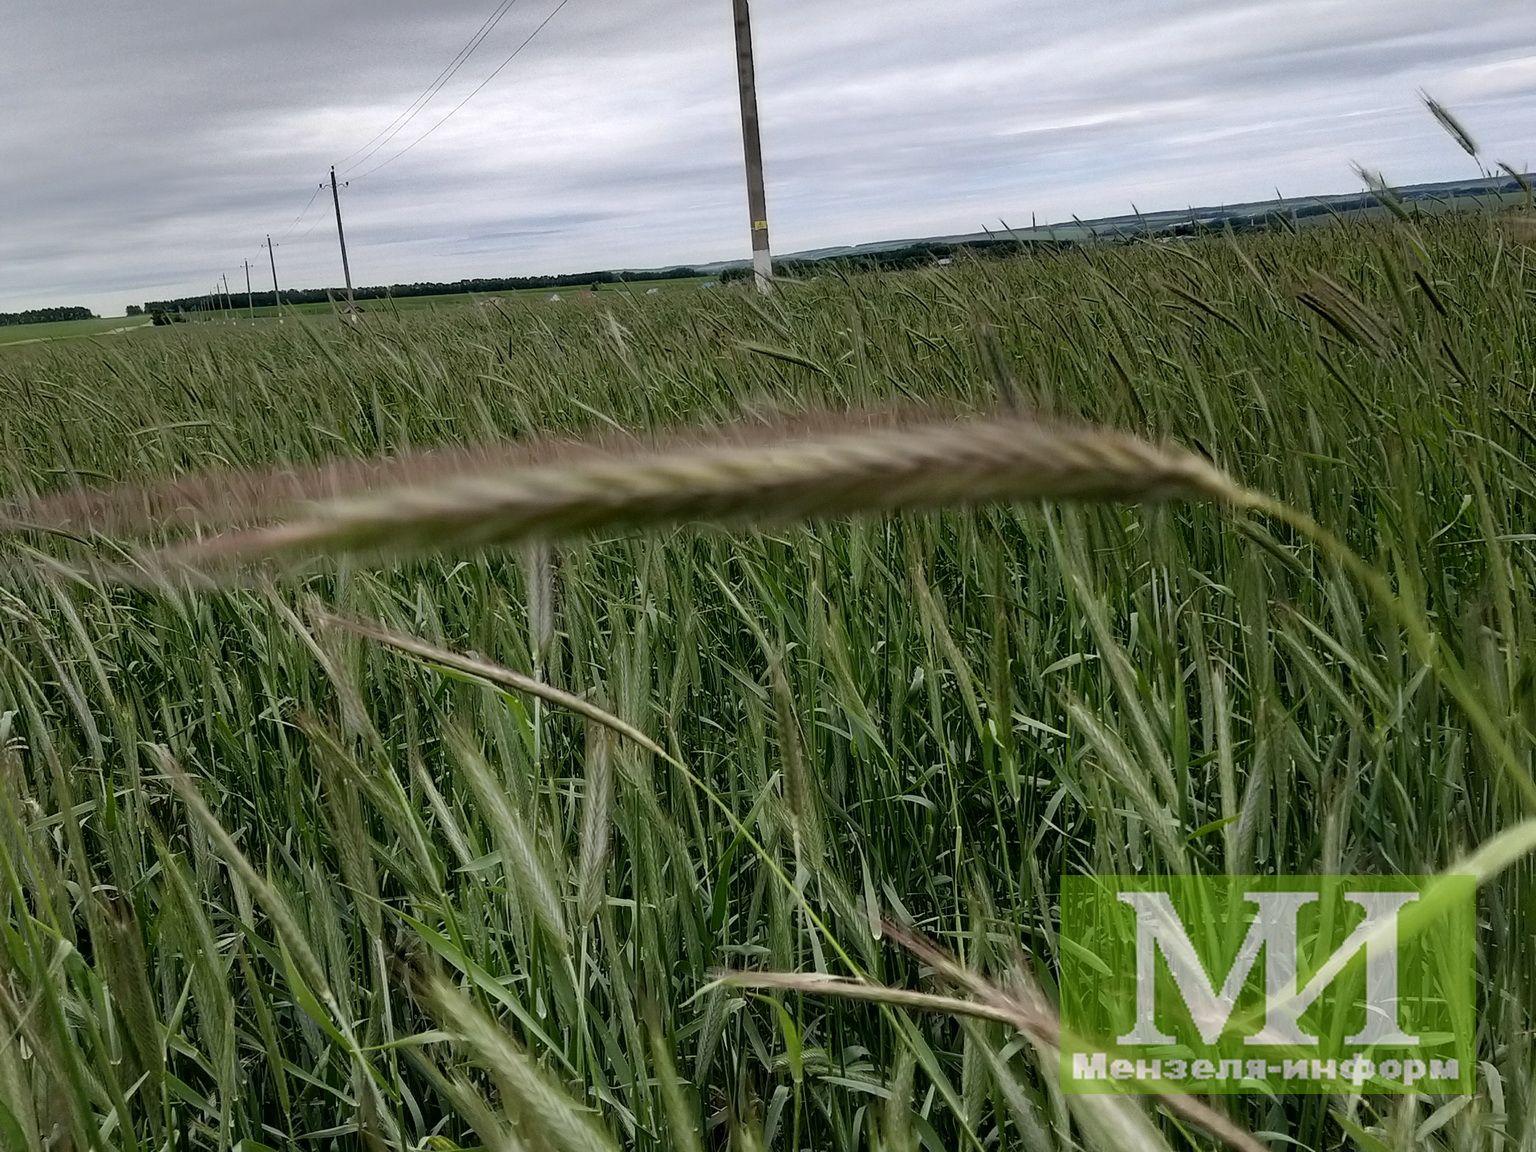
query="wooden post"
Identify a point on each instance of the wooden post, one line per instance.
(277, 296)
(757, 197)
(346, 269)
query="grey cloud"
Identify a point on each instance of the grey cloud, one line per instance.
(144, 149)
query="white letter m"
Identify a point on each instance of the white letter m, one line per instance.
(1160, 928)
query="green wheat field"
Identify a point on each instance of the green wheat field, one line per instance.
(657, 795)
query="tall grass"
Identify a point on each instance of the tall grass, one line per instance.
(270, 882)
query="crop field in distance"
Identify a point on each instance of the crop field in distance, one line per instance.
(444, 819)
(465, 300)
(71, 329)
(239, 314)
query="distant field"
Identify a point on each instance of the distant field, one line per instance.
(113, 325)
(68, 329)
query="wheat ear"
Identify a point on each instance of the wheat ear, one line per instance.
(834, 472)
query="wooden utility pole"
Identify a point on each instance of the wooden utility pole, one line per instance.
(277, 296)
(757, 196)
(346, 269)
(250, 299)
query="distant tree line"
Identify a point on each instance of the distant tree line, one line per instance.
(45, 316)
(483, 285)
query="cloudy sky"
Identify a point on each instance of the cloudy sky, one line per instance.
(146, 148)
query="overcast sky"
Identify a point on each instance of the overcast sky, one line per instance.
(146, 148)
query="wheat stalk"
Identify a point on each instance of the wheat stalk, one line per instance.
(1453, 127)
(243, 496)
(839, 470)
(851, 464)
(1021, 1007)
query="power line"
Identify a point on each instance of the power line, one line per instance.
(463, 54)
(412, 110)
(516, 52)
(418, 105)
(429, 93)
(299, 219)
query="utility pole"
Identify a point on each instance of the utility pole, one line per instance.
(229, 305)
(277, 296)
(250, 299)
(346, 269)
(757, 196)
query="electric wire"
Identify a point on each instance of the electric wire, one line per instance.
(415, 107)
(418, 105)
(428, 94)
(500, 10)
(299, 219)
(516, 52)
(319, 220)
